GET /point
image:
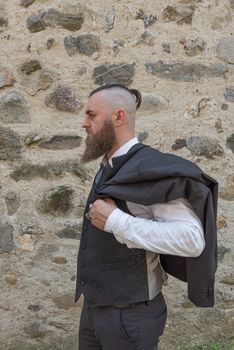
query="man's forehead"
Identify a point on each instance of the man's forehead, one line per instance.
(97, 100)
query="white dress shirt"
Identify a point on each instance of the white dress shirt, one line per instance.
(168, 228)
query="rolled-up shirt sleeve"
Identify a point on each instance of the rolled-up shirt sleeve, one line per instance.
(172, 228)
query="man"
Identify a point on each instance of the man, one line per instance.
(145, 209)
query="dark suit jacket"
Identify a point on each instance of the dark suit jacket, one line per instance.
(147, 176)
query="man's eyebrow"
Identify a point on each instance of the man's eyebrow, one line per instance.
(89, 111)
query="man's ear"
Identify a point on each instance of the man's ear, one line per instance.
(119, 117)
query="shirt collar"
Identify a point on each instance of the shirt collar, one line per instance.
(122, 150)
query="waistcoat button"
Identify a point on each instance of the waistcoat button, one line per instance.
(83, 246)
(82, 283)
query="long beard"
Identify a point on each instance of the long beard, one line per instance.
(96, 145)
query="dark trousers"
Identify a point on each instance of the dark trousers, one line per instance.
(137, 326)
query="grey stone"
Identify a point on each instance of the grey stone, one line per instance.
(186, 71)
(36, 23)
(230, 142)
(12, 202)
(50, 42)
(229, 94)
(10, 147)
(225, 49)
(146, 38)
(222, 250)
(34, 307)
(194, 47)
(114, 73)
(61, 142)
(31, 139)
(54, 19)
(231, 3)
(153, 103)
(56, 201)
(30, 66)
(6, 77)
(180, 14)
(228, 279)
(85, 44)
(142, 136)
(37, 81)
(6, 238)
(179, 143)
(227, 192)
(34, 330)
(13, 108)
(3, 22)
(110, 20)
(30, 229)
(218, 125)
(62, 99)
(70, 232)
(166, 47)
(148, 20)
(116, 46)
(203, 146)
(28, 171)
(26, 3)
(224, 107)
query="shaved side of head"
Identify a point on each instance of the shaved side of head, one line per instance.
(119, 96)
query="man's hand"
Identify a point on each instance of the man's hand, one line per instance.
(100, 211)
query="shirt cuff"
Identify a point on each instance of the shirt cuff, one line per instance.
(114, 217)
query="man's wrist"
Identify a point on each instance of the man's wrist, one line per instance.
(114, 216)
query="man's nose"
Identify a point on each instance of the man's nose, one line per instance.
(85, 123)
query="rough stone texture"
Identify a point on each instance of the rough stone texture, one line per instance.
(204, 146)
(148, 20)
(10, 147)
(65, 301)
(62, 99)
(14, 108)
(180, 14)
(186, 71)
(70, 232)
(26, 3)
(142, 136)
(40, 80)
(110, 20)
(12, 202)
(153, 103)
(194, 47)
(230, 142)
(29, 171)
(61, 142)
(229, 94)
(225, 49)
(30, 66)
(194, 105)
(6, 238)
(198, 106)
(54, 19)
(6, 77)
(85, 44)
(227, 192)
(179, 143)
(114, 73)
(56, 201)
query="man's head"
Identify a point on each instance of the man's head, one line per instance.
(109, 119)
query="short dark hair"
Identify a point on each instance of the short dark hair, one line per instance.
(136, 93)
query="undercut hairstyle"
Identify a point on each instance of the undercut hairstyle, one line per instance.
(134, 92)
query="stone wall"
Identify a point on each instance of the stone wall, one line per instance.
(180, 54)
